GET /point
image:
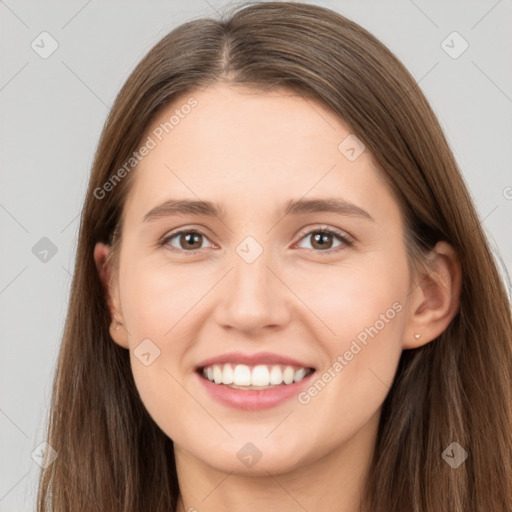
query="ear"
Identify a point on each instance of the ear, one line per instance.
(117, 329)
(436, 298)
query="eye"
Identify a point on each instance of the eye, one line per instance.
(191, 240)
(188, 240)
(322, 239)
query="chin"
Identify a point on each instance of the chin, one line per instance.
(256, 457)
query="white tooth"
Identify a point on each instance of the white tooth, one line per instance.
(276, 375)
(217, 374)
(209, 373)
(299, 375)
(288, 375)
(260, 376)
(242, 376)
(227, 374)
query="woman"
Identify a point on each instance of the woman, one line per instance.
(283, 298)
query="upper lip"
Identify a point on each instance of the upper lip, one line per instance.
(253, 359)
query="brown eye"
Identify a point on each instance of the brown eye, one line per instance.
(190, 241)
(323, 240)
(187, 240)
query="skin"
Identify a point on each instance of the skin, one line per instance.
(251, 151)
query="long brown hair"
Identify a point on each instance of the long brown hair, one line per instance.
(111, 454)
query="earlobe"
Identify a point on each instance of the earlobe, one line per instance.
(117, 329)
(118, 333)
(436, 298)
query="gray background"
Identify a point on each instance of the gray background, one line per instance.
(53, 110)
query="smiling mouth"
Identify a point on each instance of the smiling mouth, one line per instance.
(257, 377)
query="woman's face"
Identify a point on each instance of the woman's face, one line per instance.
(262, 276)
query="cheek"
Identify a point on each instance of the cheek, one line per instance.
(365, 308)
(155, 299)
(154, 305)
(346, 300)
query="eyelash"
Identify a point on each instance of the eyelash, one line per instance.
(344, 238)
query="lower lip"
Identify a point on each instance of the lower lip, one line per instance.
(253, 400)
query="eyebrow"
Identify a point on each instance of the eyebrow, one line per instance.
(291, 207)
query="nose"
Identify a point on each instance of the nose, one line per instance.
(253, 297)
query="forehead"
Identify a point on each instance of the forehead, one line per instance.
(248, 120)
(252, 149)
